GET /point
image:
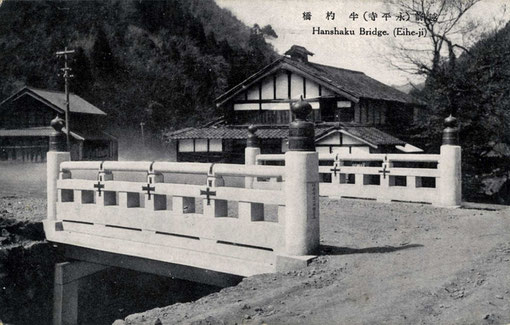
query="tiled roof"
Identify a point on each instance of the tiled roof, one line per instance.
(373, 135)
(350, 82)
(58, 100)
(369, 134)
(353, 82)
(227, 133)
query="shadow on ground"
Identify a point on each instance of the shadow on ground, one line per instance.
(335, 250)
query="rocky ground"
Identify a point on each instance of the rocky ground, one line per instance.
(380, 264)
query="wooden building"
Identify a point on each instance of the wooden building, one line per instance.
(350, 109)
(25, 127)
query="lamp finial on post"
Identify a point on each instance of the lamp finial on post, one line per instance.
(253, 140)
(451, 131)
(301, 132)
(57, 138)
(450, 166)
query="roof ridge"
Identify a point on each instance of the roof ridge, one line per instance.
(52, 91)
(41, 89)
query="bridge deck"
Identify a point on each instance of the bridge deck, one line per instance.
(201, 253)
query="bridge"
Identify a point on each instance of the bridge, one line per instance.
(136, 215)
(216, 223)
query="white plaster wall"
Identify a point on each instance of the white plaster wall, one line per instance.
(186, 145)
(331, 139)
(246, 107)
(361, 150)
(341, 150)
(312, 89)
(201, 145)
(282, 87)
(276, 106)
(322, 150)
(347, 140)
(215, 145)
(267, 88)
(296, 84)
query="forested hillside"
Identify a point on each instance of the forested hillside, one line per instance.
(161, 62)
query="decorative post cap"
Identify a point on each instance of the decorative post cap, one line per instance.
(57, 138)
(253, 139)
(451, 131)
(301, 132)
(57, 123)
(301, 109)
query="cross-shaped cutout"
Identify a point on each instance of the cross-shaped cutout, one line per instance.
(99, 186)
(208, 193)
(148, 188)
(384, 171)
(335, 169)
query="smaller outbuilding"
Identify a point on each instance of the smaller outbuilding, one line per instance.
(25, 127)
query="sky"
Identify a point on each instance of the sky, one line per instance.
(369, 54)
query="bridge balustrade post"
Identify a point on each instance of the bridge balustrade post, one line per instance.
(450, 175)
(154, 202)
(251, 211)
(104, 198)
(213, 207)
(301, 185)
(56, 155)
(251, 152)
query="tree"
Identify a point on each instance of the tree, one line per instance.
(268, 31)
(102, 55)
(444, 24)
(449, 32)
(80, 66)
(467, 75)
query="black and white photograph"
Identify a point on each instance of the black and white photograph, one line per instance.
(229, 162)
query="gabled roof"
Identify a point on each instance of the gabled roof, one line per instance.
(367, 134)
(351, 84)
(57, 100)
(228, 132)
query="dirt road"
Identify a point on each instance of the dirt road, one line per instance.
(380, 264)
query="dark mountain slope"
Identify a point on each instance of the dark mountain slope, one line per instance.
(161, 62)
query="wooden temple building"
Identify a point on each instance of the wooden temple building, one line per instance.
(351, 112)
(25, 127)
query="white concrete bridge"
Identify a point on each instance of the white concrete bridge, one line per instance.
(214, 232)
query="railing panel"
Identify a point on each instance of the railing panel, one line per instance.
(353, 176)
(136, 220)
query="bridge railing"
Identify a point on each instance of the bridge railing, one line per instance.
(423, 178)
(135, 208)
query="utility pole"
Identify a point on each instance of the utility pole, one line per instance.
(66, 75)
(142, 124)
